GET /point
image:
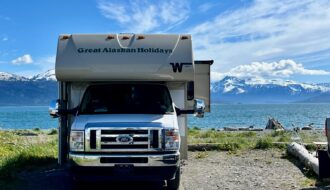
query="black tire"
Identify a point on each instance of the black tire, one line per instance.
(76, 181)
(174, 184)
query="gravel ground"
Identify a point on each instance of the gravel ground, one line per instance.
(253, 169)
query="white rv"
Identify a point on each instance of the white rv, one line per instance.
(123, 103)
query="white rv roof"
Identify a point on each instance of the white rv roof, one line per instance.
(104, 57)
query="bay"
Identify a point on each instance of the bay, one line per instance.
(222, 115)
(245, 115)
(26, 117)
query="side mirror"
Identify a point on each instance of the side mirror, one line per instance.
(53, 108)
(199, 108)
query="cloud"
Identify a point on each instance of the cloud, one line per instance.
(216, 76)
(281, 69)
(25, 59)
(4, 39)
(145, 16)
(265, 31)
(206, 6)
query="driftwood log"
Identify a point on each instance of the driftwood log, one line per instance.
(304, 156)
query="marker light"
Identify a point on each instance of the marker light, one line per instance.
(65, 37)
(109, 37)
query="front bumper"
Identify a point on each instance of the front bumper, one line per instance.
(138, 160)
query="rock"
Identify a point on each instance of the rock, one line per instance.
(274, 124)
(307, 128)
(256, 129)
(244, 129)
(230, 129)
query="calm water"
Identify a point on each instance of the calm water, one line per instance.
(221, 116)
(257, 115)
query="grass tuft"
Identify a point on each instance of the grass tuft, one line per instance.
(36, 129)
(264, 143)
(201, 155)
(53, 132)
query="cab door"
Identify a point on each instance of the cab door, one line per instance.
(202, 82)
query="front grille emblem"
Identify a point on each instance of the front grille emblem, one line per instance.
(124, 139)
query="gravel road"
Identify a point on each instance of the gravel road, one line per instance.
(253, 169)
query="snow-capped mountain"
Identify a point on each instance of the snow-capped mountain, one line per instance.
(235, 90)
(11, 77)
(41, 88)
(18, 90)
(48, 76)
(324, 84)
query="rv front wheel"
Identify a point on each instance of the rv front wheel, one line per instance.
(174, 184)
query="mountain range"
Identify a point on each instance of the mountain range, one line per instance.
(258, 91)
(42, 88)
(37, 90)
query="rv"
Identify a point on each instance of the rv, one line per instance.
(323, 154)
(123, 104)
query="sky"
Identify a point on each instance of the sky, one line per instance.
(267, 39)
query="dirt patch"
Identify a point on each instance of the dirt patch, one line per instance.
(252, 169)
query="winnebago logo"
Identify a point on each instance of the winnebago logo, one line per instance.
(178, 66)
(124, 50)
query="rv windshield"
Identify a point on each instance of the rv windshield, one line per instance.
(126, 99)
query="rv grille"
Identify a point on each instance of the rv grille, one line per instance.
(104, 139)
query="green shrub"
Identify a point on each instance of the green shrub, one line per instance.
(247, 134)
(277, 133)
(229, 146)
(196, 128)
(53, 132)
(264, 143)
(284, 138)
(311, 147)
(37, 129)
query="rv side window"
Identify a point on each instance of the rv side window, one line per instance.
(126, 99)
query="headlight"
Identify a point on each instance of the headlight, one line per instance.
(172, 139)
(77, 141)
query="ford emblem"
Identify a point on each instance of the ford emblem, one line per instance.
(124, 139)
